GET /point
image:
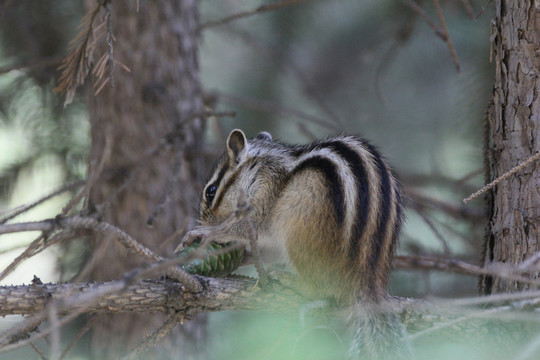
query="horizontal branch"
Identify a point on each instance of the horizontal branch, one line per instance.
(45, 225)
(163, 296)
(410, 262)
(454, 210)
(226, 294)
(242, 293)
(506, 271)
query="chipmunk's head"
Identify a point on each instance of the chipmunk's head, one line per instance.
(236, 173)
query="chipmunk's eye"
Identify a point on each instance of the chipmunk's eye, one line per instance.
(210, 192)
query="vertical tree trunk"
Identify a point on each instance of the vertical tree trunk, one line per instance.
(157, 41)
(514, 135)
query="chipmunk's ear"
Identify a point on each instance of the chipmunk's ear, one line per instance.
(236, 145)
(264, 136)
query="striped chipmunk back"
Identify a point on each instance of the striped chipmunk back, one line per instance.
(331, 209)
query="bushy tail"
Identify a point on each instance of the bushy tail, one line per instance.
(378, 333)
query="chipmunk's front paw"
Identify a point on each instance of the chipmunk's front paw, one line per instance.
(199, 233)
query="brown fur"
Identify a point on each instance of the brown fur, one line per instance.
(331, 209)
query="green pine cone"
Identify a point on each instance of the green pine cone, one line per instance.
(207, 264)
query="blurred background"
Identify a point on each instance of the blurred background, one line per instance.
(369, 67)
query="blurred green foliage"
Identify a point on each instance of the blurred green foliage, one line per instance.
(279, 336)
(33, 124)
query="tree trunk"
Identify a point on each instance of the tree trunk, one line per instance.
(157, 41)
(513, 232)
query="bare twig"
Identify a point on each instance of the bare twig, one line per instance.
(441, 31)
(453, 322)
(22, 330)
(413, 5)
(529, 263)
(23, 208)
(25, 254)
(40, 353)
(491, 299)
(45, 225)
(447, 37)
(484, 8)
(462, 267)
(502, 177)
(469, 176)
(15, 247)
(468, 8)
(454, 210)
(243, 14)
(163, 265)
(274, 108)
(433, 228)
(432, 263)
(466, 237)
(76, 338)
(38, 245)
(174, 236)
(78, 222)
(419, 180)
(155, 337)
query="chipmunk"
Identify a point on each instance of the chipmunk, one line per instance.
(332, 210)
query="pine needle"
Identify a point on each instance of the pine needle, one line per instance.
(77, 64)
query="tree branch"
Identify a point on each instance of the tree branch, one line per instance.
(220, 294)
(243, 14)
(163, 296)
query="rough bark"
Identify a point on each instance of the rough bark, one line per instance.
(513, 233)
(150, 296)
(157, 41)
